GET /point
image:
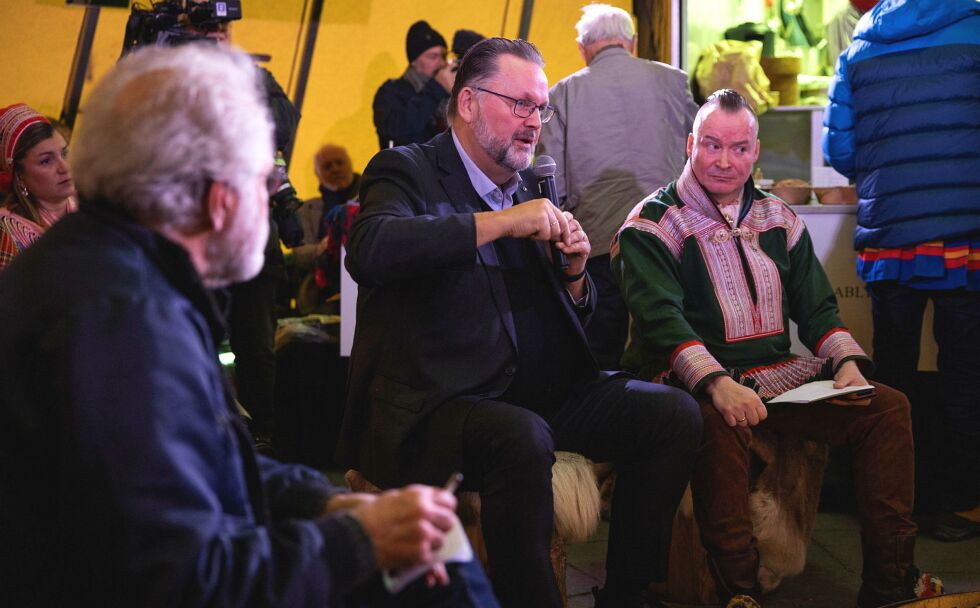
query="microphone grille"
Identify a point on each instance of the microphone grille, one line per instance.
(544, 166)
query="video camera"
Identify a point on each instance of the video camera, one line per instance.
(160, 24)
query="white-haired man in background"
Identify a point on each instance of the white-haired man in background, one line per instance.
(619, 133)
(126, 478)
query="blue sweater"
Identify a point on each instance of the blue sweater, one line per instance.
(904, 122)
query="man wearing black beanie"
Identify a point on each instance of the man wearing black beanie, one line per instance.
(463, 40)
(411, 109)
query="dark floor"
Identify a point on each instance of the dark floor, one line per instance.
(833, 571)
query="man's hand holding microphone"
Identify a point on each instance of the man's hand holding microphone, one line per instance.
(541, 219)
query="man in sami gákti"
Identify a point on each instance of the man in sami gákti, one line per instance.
(712, 270)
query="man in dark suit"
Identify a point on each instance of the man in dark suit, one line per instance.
(469, 351)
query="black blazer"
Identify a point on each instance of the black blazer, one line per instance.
(434, 326)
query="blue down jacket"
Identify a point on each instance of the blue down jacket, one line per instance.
(904, 121)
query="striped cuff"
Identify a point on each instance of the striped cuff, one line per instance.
(839, 346)
(693, 364)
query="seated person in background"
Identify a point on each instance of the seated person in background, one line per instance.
(411, 109)
(469, 352)
(339, 184)
(35, 179)
(712, 271)
(315, 265)
(126, 476)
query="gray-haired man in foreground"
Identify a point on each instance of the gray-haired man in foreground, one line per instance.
(126, 478)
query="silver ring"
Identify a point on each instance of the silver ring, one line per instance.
(740, 420)
(554, 222)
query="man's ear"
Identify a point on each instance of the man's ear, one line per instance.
(690, 144)
(466, 105)
(220, 199)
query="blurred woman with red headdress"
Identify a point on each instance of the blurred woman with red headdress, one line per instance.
(36, 187)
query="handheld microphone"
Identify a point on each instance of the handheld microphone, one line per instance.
(544, 169)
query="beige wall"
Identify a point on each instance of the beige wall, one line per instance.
(360, 43)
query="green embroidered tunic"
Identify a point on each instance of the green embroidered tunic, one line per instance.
(710, 296)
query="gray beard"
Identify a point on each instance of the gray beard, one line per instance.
(237, 253)
(500, 150)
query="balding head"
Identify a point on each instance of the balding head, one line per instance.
(333, 167)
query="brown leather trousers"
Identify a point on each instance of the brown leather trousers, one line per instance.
(880, 439)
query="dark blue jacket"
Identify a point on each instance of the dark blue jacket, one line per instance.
(904, 121)
(125, 477)
(405, 117)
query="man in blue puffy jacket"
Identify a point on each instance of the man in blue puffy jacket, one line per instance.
(904, 122)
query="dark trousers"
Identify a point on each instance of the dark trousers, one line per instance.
(880, 440)
(650, 431)
(897, 313)
(251, 333)
(608, 328)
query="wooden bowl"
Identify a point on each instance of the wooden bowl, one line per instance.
(793, 195)
(837, 195)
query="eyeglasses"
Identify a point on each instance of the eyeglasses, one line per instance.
(523, 108)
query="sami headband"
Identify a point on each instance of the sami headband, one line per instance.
(14, 120)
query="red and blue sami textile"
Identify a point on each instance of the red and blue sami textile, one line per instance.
(16, 234)
(933, 265)
(335, 226)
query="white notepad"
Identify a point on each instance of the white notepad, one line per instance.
(818, 391)
(455, 548)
